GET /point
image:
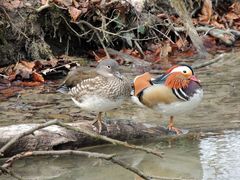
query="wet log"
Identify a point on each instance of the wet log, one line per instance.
(59, 138)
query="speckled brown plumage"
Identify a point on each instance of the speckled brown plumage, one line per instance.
(111, 88)
(101, 90)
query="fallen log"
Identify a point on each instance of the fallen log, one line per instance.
(55, 137)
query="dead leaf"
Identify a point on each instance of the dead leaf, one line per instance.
(76, 4)
(217, 25)
(166, 49)
(181, 43)
(74, 13)
(232, 16)
(37, 77)
(10, 5)
(29, 84)
(206, 11)
(43, 2)
(235, 7)
(66, 3)
(29, 65)
(209, 41)
(22, 71)
(17, 3)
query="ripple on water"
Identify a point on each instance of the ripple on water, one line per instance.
(220, 157)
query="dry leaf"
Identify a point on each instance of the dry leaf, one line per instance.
(217, 25)
(43, 2)
(232, 16)
(22, 71)
(235, 7)
(37, 77)
(66, 3)
(30, 84)
(181, 43)
(166, 49)
(74, 13)
(29, 65)
(206, 11)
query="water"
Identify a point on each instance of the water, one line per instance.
(212, 157)
(219, 156)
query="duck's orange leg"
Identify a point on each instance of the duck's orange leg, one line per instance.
(172, 128)
(99, 122)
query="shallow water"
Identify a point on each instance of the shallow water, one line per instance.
(213, 157)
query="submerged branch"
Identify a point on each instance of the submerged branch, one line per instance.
(108, 157)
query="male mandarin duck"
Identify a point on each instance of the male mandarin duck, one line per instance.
(98, 91)
(173, 93)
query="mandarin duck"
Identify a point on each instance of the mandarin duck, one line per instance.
(99, 91)
(175, 92)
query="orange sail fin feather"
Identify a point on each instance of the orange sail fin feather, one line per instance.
(176, 80)
(141, 82)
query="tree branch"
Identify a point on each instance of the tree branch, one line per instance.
(113, 141)
(78, 129)
(30, 131)
(108, 157)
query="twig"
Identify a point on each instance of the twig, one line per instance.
(162, 34)
(108, 157)
(226, 36)
(96, 31)
(111, 33)
(75, 32)
(218, 58)
(128, 58)
(4, 170)
(45, 6)
(113, 141)
(103, 45)
(130, 168)
(30, 131)
(13, 25)
(169, 178)
(10, 161)
(78, 129)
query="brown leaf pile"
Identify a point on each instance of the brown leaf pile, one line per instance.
(32, 73)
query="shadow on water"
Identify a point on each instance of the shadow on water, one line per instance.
(212, 157)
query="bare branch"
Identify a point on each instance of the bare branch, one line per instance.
(206, 63)
(82, 130)
(4, 170)
(108, 157)
(45, 6)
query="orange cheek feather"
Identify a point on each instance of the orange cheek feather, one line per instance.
(177, 80)
(141, 82)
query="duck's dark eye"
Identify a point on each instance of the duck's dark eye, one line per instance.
(184, 71)
(109, 67)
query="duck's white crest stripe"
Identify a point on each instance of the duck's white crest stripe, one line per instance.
(184, 94)
(178, 95)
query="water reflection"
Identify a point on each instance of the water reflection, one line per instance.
(214, 157)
